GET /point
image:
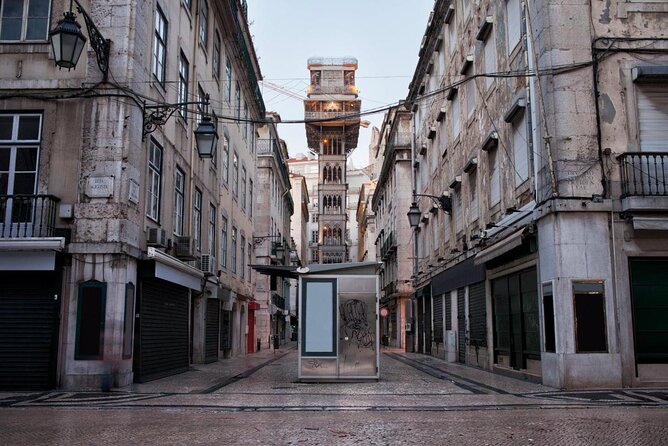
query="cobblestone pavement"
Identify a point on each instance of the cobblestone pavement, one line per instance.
(257, 400)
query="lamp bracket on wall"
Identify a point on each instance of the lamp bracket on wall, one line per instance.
(157, 115)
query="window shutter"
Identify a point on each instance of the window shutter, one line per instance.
(653, 117)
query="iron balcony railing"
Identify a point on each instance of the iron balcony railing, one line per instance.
(278, 301)
(644, 173)
(24, 216)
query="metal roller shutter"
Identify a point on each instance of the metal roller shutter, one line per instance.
(448, 311)
(477, 315)
(438, 318)
(461, 325)
(28, 330)
(163, 330)
(212, 324)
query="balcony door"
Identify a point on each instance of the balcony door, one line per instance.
(20, 136)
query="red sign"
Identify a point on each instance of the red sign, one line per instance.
(384, 312)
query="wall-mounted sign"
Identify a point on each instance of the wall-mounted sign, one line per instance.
(100, 187)
(133, 192)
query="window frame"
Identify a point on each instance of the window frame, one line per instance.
(153, 197)
(213, 243)
(203, 32)
(223, 242)
(179, 201)
(197, 218)
(234, 249)
(160, 42)
(242, 255)
(183, 79)
(25, 18)
(216, 55)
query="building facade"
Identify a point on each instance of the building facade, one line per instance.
(332, 118)
(273, 244)
(123, 253)
(390, 200)
(546, 263)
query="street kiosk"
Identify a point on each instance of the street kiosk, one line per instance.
(338, 322)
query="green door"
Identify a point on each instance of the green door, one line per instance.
(649, 293)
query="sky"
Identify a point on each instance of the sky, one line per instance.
(384, 36)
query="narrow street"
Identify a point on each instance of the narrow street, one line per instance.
(257, 400)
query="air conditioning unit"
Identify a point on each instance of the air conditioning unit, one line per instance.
(156, 237)
(207, 263)
(184, 248)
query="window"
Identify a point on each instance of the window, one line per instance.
(91, 301)
(489, 53)
(226, 159)
(252, 137)
(494, 177)
(455, 116)
(473, 195)
(243, 188)
(590, 332)
(548, 317)
(160, 46)
(250, 261)
(201, 99)
(242, 269)
(470, 92)
(228, 80)
(234, 249)
(179, 201)
(20, 136)
(250, 198)
(128, 320)
(513, 24)
(452, 35)
(223, 243)
(457, 209)
(215, 63)
(235, 175)
(244, 134)
(197, 219)
(24, 19)
(183, 84)
(314, 236)
(154, 181)
(212, 230)
(520, 149)
(203, 23)
(237, 109)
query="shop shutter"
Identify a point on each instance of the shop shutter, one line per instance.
(461, 325)
(438, 318)
(477, 315)
(163, 338)
(28, 330)
(211, 336)
(448, 311)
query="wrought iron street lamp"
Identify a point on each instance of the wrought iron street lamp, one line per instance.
(443, 202)
(67, 41)
(206, 138)
(414, 215)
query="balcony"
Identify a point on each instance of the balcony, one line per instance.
(333, 89)
(278, 301)
(25, 216)
(349, 116)
(644, 181)
(388, 246)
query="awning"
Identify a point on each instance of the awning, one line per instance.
(277, 270)
(165, 267)
(253, 305)
(512, 241)
(30, 254)
(650, 223)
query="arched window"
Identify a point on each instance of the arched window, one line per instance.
(339, 174)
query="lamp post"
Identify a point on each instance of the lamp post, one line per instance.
(67, 41)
